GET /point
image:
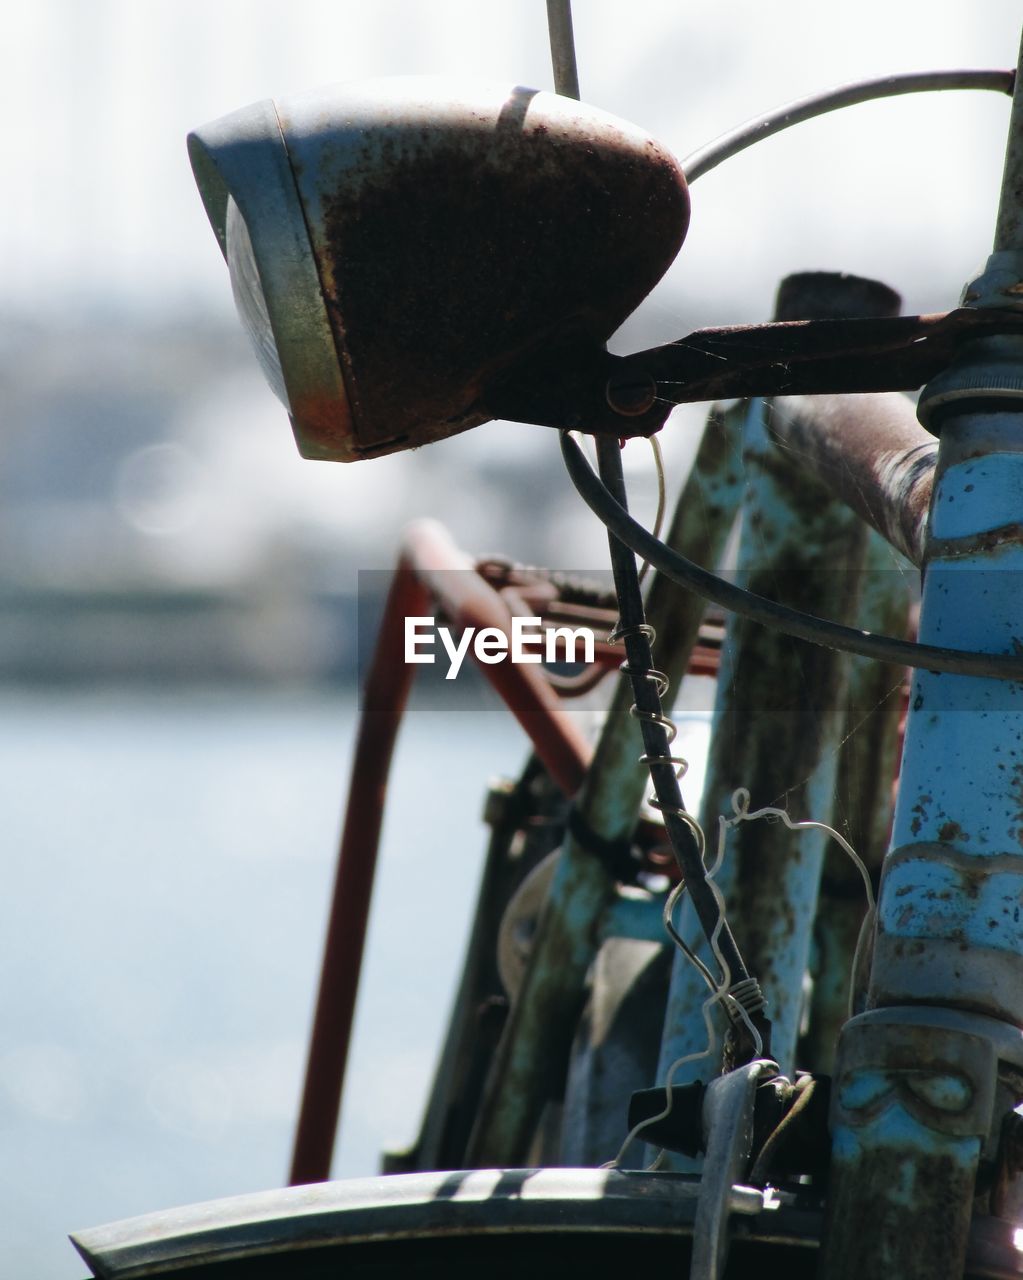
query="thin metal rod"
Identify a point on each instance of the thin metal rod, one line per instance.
(729, 144)
(1009, 224)
(559, 26)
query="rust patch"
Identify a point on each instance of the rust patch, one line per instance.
(920, 813)
(918, 1205)
(985, 543)
(446, 258)
(1016, 796)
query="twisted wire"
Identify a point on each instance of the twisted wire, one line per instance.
(748, 996)
(661, 684)
(740, 1000)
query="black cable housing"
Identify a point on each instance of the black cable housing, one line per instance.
(770, 613)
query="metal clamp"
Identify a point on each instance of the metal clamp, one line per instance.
(728, 1107)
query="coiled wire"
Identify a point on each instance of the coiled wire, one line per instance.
(662, 684)
(743, 999)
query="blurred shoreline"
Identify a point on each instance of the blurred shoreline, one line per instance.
(157, 523)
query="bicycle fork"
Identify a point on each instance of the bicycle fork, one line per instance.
(927, 1079)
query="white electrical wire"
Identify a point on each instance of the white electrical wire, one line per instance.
(719, 991)
(740, 808)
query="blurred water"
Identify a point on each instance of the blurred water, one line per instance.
(167, 863)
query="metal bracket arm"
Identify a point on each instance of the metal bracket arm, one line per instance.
(626, 396)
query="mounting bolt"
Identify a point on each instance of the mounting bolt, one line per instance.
(631, 393)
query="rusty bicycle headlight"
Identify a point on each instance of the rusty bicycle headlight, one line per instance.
(407, 253)
(415, 256)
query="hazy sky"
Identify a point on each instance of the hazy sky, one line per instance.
(98, 96)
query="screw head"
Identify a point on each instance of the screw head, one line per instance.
(631, 393)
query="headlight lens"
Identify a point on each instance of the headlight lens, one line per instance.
(250, 301)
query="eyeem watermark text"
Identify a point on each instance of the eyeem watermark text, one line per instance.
(490, 645)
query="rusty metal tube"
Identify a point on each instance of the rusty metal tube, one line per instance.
(871, 453)
(779, 711)
(530, 1064)
(430, 568)
(949, 935)
(450, 578)
(864, 799)
(387, 689)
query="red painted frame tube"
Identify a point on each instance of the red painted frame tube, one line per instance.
(387, 687)
(424, 579)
